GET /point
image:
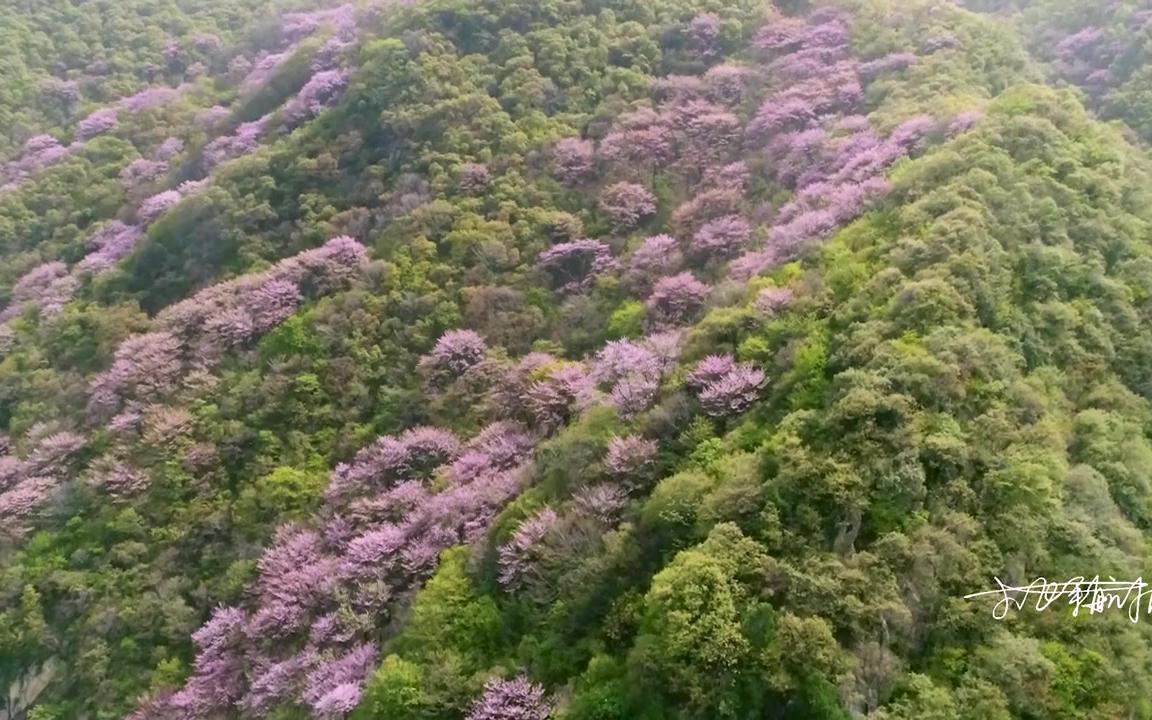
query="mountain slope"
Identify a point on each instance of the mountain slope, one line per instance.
(600, 359)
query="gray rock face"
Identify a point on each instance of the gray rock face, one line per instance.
(23, 693)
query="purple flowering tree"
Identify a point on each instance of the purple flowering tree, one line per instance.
(271, 303)
(657, 257)
(887, 64)
(272, 296)
(28, 485)
(53, 452)
(333, 688)
(391, 460)
(910, 135)
(320, 592)
(705, 132)
(145, 367)
(207, 43)
(676, 300)
(771, 301)
(39, 143)
(35, 283)
(474, 178)
(507, 444)
(633, 395)
(796, 154)
(49, 287)
(573, 161)
(518, 699)
(631, 461)
(619, 359)
(734, 393)
(500, 446)
(679, 87)
(98, 123)
(322, 89)
(210, 118)
(571, 267)
(709, 370)
(780, 35)
(151, 209)
(706, 206)
(726, 83)
(800, 105)
(40, 151)
(632, 374)
(517, 555)
(141, 173)
(218, 680)
(553, 399)
(117, 479)
(148, 98)
(721, 238)
(724, 387)
(602, 503)
(815, 76)
(837, 181)
(665, 346)
(331, 53)
(21, 505)
(245, 140)
(506, 397)
(642, 142)
(273, 683)
(964, 122)
(627, 204)
(263, 70)
(705, 33)
(169, 149)
(453, 354)
(228, 329)
(733, 175)
(333, 265)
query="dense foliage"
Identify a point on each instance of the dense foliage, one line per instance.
(581, 359)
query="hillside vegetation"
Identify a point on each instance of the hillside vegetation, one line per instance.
(571, 359)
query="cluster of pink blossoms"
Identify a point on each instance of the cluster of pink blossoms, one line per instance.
(321, 90)
(725, 387)
(631, 372)
(516, 699)
(195, 332)
(28, 484)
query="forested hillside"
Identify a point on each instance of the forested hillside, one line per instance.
(572, 359)
(1101, 48)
